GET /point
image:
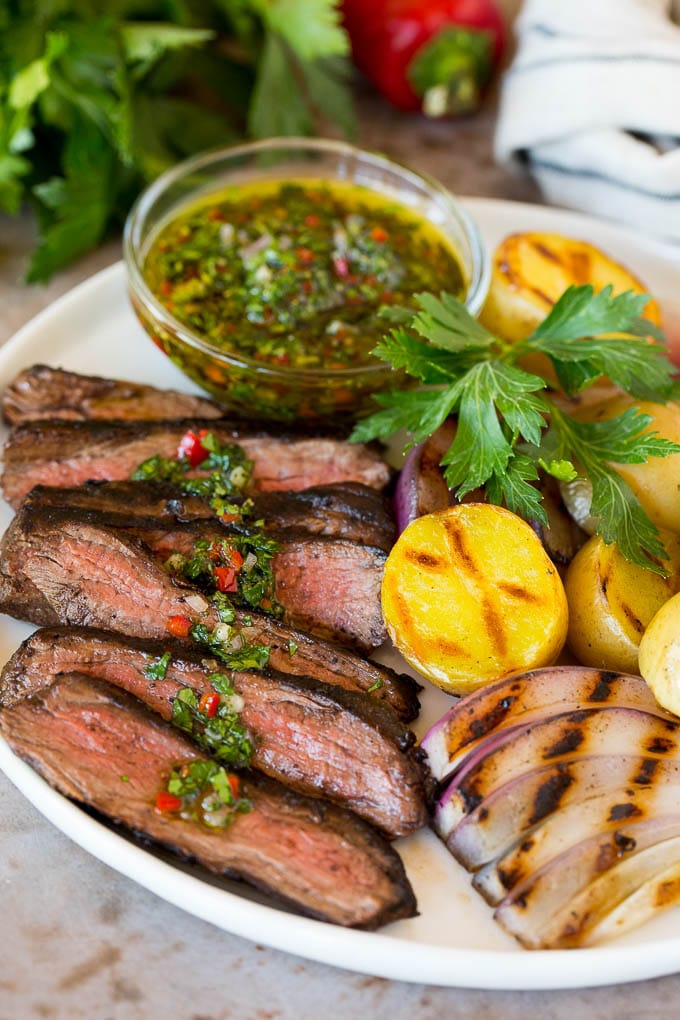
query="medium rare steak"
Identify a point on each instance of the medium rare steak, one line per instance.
(326, 586)
(42, 392)
(70, 452)
(346, 510)
(59, 569)
(83, 736)
(318, 739)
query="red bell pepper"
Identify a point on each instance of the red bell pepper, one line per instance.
(429, 55)
(226, 579)
(191, 448)
(167, 802)
(178, 626)
(208, 704)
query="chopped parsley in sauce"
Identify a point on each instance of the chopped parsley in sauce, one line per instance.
(293, 273)
(213, 720)
(203, 791)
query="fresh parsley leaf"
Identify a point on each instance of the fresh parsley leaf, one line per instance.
(507, 427)
(157, 669)
(310, 27)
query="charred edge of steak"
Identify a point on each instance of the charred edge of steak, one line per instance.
(349, 510)
(305, 568)
(35, 537)
(70, 452)
(321, 740)
(42, 392)
(82, 735)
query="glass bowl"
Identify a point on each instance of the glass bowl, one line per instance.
(243, 384)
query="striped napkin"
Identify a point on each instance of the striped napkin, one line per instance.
(591, 104)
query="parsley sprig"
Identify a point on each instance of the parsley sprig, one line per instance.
(508, 427)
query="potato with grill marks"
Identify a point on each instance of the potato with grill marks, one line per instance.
(612, 602)
(469, 595)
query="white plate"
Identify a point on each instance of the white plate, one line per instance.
(454, 941)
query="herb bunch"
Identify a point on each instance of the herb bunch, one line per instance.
(98, 99)
(508, 427)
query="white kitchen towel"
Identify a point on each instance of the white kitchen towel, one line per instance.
(591, 104)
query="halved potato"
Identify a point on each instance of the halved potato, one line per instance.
(530, 271)
(612, 601)
(469, 595)
(656, 482)
(660, 655)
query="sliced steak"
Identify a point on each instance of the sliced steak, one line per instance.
(42, 392)
(326, 586)
(318, 739)
(70, 452)
(55, 569)
(83, 736)
(346, 510)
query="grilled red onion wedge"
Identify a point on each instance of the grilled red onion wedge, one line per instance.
(592, 889)
(561, 738)
(606, 812)
(510, 813)
(524, 697)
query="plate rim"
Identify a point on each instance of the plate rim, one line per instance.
(376, 953)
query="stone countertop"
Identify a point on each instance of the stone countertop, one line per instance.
(79, 940)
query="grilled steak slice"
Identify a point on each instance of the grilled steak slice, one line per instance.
(319, 740)
(82, 736)
(42, 392)
(346, 510)
(58, 570)
(70, 452)
(325, 585)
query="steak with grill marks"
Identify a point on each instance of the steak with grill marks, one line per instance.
(326, 586)
(42, 392)
(70, 452)
(346, 510)
(56, 568)
(82, 735)
(318, 739)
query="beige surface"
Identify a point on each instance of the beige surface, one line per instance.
(78, 940)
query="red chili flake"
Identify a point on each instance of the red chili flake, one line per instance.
(216, 214)
(304, 255)
(312, 220)
(167, 802)
(226, 579)
(178, 626)
(307, 286)
(235, 785)
(229, 518)
(166, 288)
(341, 266)
(191, 448)
(208, 704)
(282, 359)
(235, 559)
(379, 235)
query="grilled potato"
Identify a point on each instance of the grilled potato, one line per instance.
(612, 601)
(469, 595)
(660, 655)
(530, 271)
(656, 482)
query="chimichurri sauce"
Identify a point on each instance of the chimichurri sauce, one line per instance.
(293, 273)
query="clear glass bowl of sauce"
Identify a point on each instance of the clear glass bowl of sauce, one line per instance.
(260, 270)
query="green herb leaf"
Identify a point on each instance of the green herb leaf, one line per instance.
(157, 669)
(507, 427)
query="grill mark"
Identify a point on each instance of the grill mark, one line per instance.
(635, 621)
(424, 559)
(619, 811)
(518, 592)
(667, 892)
(570, 741)
(494, 626)
(458, 544)
(549, 794)
(482, 725)
(660, 745)
(624, 844)
(509, 878)
(646, 774)
(547, 252)
(602, 689)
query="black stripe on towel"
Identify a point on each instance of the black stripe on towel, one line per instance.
(596, 175)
